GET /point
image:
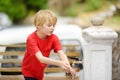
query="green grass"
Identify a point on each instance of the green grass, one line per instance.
(76, 10)
(79, 8)
(113, 22)
(73, 10)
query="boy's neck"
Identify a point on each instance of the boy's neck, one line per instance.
(41, 36)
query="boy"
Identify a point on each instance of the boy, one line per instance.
(38, 47)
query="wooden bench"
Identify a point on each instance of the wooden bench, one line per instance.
(16, 50)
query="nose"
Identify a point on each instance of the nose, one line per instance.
(52, 27)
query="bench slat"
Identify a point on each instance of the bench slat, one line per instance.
(10, 61)
(11, 77)
(23, 45)
(47, 70)
(18, 69)
(20, 61)
(13, 53)
(13, 45)
(73, 54)
(20, 77)
(10, 69)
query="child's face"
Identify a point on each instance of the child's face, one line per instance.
(47, 28)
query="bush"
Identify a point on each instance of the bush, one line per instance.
(14, 8)
(35, 4)
(19, 9)
(93, 5)
(73, 10)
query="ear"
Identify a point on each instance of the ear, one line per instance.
(38, 26)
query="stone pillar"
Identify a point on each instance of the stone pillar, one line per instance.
(97, 51)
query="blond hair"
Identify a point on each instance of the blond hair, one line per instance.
(43, 15)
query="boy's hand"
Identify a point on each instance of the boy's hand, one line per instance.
(73, 73)
(64, 65)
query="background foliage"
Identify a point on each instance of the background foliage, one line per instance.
(19, 9)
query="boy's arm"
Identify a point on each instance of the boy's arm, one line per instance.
(63, 57)
(46, 60)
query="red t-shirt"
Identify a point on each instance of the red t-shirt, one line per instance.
(31, 66)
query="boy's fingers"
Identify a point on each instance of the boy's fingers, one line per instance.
(73, 77)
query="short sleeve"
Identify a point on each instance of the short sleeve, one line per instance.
(31, 45)
(56, 44)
